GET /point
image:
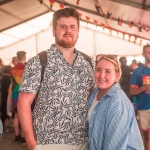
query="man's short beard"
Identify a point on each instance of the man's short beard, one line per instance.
(66, 44)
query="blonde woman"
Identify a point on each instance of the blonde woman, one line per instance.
(112, 123)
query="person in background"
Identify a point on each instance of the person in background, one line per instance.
(133, 65)
(140, 64)
(112, 123)
(125, 77)
(1, 75)
(140, 85)
(5, 83)
(11, 87)
(14, 60)
(17, 72)
(60, 112)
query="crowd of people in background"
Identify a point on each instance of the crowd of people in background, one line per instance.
(10, 81)
(71, 110)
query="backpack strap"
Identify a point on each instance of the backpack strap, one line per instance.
(87, 58)
(43, 60)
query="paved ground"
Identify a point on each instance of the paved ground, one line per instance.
(7, 141)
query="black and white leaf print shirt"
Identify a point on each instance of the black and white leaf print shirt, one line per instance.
(60, 113)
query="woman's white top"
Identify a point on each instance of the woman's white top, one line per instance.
(94, 103)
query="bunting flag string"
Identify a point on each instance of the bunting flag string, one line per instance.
(120, 21)
(109, 15)
(99, 9)
(131, 24)
(51, 3)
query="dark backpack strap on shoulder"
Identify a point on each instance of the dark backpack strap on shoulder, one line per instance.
(43, 60)
(87, 58)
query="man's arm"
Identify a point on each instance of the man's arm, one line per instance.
(134, 90)
(25, 117)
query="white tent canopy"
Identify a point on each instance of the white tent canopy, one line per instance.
(35, 35)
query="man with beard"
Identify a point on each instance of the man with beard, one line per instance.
(140, 85)
(59, 116)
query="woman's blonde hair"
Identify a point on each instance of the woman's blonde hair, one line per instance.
(114, 61)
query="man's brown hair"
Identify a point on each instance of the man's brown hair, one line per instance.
(66, 12)
(144, 48)
(21, 55)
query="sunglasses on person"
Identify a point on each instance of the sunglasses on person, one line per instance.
(109, 56)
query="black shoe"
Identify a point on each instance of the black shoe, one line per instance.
(17, 139)
(23, 141)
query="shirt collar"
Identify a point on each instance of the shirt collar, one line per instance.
(54, 50)
(112, 90)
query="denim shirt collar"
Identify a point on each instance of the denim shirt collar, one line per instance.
(111, 91)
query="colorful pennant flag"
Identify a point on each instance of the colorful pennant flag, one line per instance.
(80, 15)
(139, 27)
(61, 6)
(103, 26)
(78, 1)
(109, 15)
(129, 37)
(131, 24)
(119, 21)
(146, 29)
(87, 19)
(110, 29)
(123, 34)
(135, 38)
(117, 32)
(99, 9)
(95, 22)
(51, 3)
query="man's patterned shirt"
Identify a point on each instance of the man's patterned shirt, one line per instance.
(60, 113)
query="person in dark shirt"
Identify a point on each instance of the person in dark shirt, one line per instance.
(125, 78)
(5, 83)
(1, 75)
